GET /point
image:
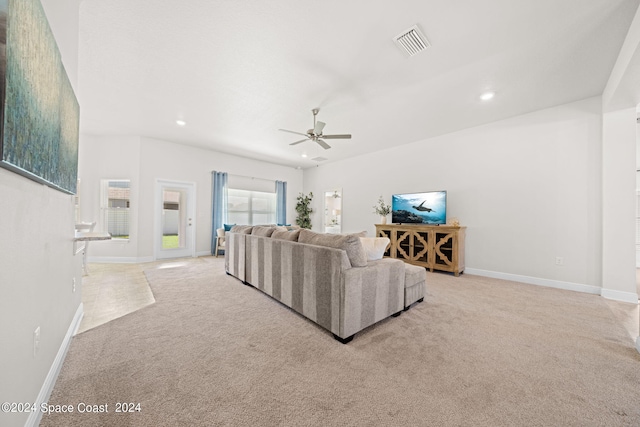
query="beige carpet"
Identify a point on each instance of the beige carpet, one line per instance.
(476, 352)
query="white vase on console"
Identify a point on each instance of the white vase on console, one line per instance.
(383, 220)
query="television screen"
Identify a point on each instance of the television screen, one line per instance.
(419, 208)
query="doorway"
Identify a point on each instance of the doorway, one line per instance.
(175, 221)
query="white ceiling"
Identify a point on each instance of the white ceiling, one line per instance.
(237, 71)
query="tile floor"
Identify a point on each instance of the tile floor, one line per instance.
(110, 291)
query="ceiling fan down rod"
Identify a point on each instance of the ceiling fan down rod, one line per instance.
(315, 113)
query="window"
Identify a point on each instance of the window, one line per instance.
(115, 206)
(251, 207)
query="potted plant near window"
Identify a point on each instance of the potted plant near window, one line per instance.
(304, 210)
(382, 209)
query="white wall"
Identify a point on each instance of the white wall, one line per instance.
(37, 265)
(37, 269)
(619, 205)
(109, 158)
(150, 160)
(621, 95)
(637, 189)
(64, 20)
(527, 188)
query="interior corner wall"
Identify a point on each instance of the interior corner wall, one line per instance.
(637, 192)
(37, 265)
(148, 160)
(527, 188)
(619, 205)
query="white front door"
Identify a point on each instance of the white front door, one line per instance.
(175, 221)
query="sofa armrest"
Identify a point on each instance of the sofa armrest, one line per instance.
(370, 294)
(234, 254)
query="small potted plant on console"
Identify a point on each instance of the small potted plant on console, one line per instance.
(382, 209)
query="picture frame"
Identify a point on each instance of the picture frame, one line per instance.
(38, 107)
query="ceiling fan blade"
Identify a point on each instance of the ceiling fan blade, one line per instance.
(323, 144)
(318, 128)
(298, 142)
(297, 133)
(342, 136)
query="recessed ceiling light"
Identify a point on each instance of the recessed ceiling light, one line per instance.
(487, 96)
(181, 122)
(304, 155)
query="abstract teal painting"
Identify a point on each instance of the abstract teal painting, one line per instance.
(40, 123)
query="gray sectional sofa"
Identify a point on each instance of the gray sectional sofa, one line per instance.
(326, 278)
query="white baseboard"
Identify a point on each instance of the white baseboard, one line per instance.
(570, 286)
(620, 296)
(120, 260)
(132, 260)
(52, 376)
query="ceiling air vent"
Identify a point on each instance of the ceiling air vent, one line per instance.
(319, 159)
(411, 41)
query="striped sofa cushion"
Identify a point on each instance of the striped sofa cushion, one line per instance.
(303, 277)
(319, 283)
(349, 242)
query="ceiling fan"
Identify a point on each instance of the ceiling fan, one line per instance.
(315, 134)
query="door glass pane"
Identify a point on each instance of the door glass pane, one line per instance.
(172, 221)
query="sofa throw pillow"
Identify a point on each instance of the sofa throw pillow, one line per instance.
(349, 242)
(242, 229)
(286, 235)
(261, 230)
(227, 227)
(374, 247)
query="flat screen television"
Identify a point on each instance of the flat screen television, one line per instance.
(419, 208)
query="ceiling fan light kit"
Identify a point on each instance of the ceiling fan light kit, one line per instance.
(315, 134)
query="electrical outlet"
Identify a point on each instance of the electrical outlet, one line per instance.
(36, 340)
(73, 285)
(559, 260)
